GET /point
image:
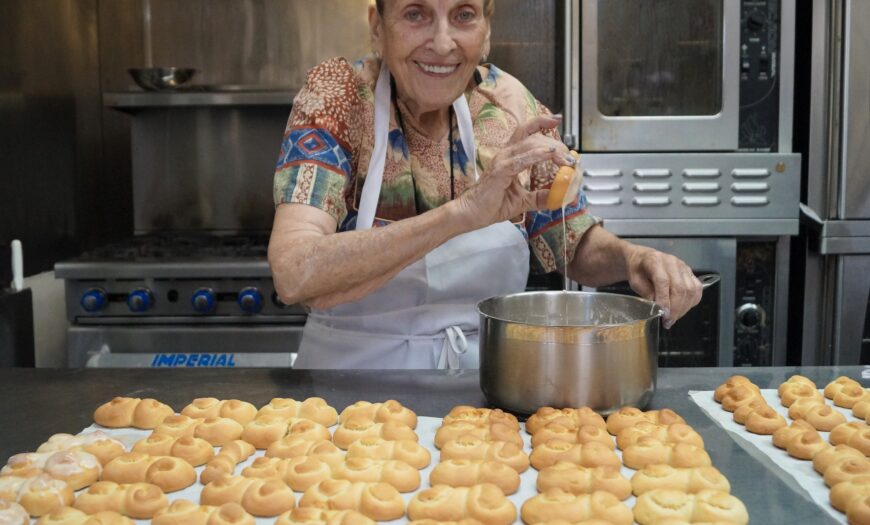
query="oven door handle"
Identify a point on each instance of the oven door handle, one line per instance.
(708, 280)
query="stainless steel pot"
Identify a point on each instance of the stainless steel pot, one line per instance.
(568, 349)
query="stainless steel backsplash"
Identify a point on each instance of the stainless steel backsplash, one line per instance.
(210, 168)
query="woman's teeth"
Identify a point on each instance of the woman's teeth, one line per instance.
(438, 70)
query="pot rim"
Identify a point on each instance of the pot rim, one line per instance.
(658, 311)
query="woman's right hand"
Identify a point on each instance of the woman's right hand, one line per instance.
(499, 195)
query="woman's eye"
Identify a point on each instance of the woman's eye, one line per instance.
(466, 15)
(413, 15)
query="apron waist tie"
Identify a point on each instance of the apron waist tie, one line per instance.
(452, 349)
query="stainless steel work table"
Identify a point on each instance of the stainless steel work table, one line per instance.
(34, 404)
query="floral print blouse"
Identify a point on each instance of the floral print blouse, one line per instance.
(330, 137)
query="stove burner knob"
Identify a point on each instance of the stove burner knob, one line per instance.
(203, 300)
(140, 300)
(94, 300)
(250, 300)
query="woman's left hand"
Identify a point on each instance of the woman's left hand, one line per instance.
(665, 279)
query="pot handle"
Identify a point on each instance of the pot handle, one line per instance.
(708, 280)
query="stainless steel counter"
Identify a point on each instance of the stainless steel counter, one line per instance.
(37, 403)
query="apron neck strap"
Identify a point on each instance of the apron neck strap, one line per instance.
(371, 189)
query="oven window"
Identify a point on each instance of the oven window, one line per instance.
(694, 339)
(660, 58)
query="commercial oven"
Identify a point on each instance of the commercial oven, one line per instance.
(682, 110)
(836, 319)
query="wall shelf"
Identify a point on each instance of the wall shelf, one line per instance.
(132, 101)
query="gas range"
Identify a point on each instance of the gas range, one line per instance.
(179, 294)
(174, 277)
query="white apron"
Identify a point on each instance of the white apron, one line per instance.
(425, 316)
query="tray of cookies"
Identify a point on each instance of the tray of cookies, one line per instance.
(290, 461)
(819, 436)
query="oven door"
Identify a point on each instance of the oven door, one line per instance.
(705, 335)
(660, 76)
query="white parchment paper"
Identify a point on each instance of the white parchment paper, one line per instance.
(802, 471)
(426, 428)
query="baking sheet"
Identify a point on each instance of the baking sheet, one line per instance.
(426, 428)
(801, 470)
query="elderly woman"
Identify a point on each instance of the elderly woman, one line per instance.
(407, 191)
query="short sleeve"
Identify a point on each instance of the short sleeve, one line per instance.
(321, 138)
(546, 236)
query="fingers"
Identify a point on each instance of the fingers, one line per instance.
(535, 125)
(515, 160)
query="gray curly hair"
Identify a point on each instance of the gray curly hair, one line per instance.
(488, 7)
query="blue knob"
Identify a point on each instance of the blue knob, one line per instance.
(93, 300)
(250, 300)
(140, 300)
(203, 300)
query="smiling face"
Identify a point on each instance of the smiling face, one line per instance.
(431, 47)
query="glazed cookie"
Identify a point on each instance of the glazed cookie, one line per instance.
(38, 495)
(491, 432)
(584, 434)
(706, 506)
(571, 418)
(629, 416)
(558, 505)
(12, 513)
(481, 416)
(77, 468)
(313, 409)
(352, 429)
(315, 516)
(378, 501)
(390, 410)
(583, 480)
(834, 455)
(104, 447)
(259, 497)
(690, 480)
(485, 503)
(136, 500)
(472, 448)
(466, 473)
(835, 386)
(676, 433)
(408, 451)
(592, 454)
(651, 452)
(123, 412)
